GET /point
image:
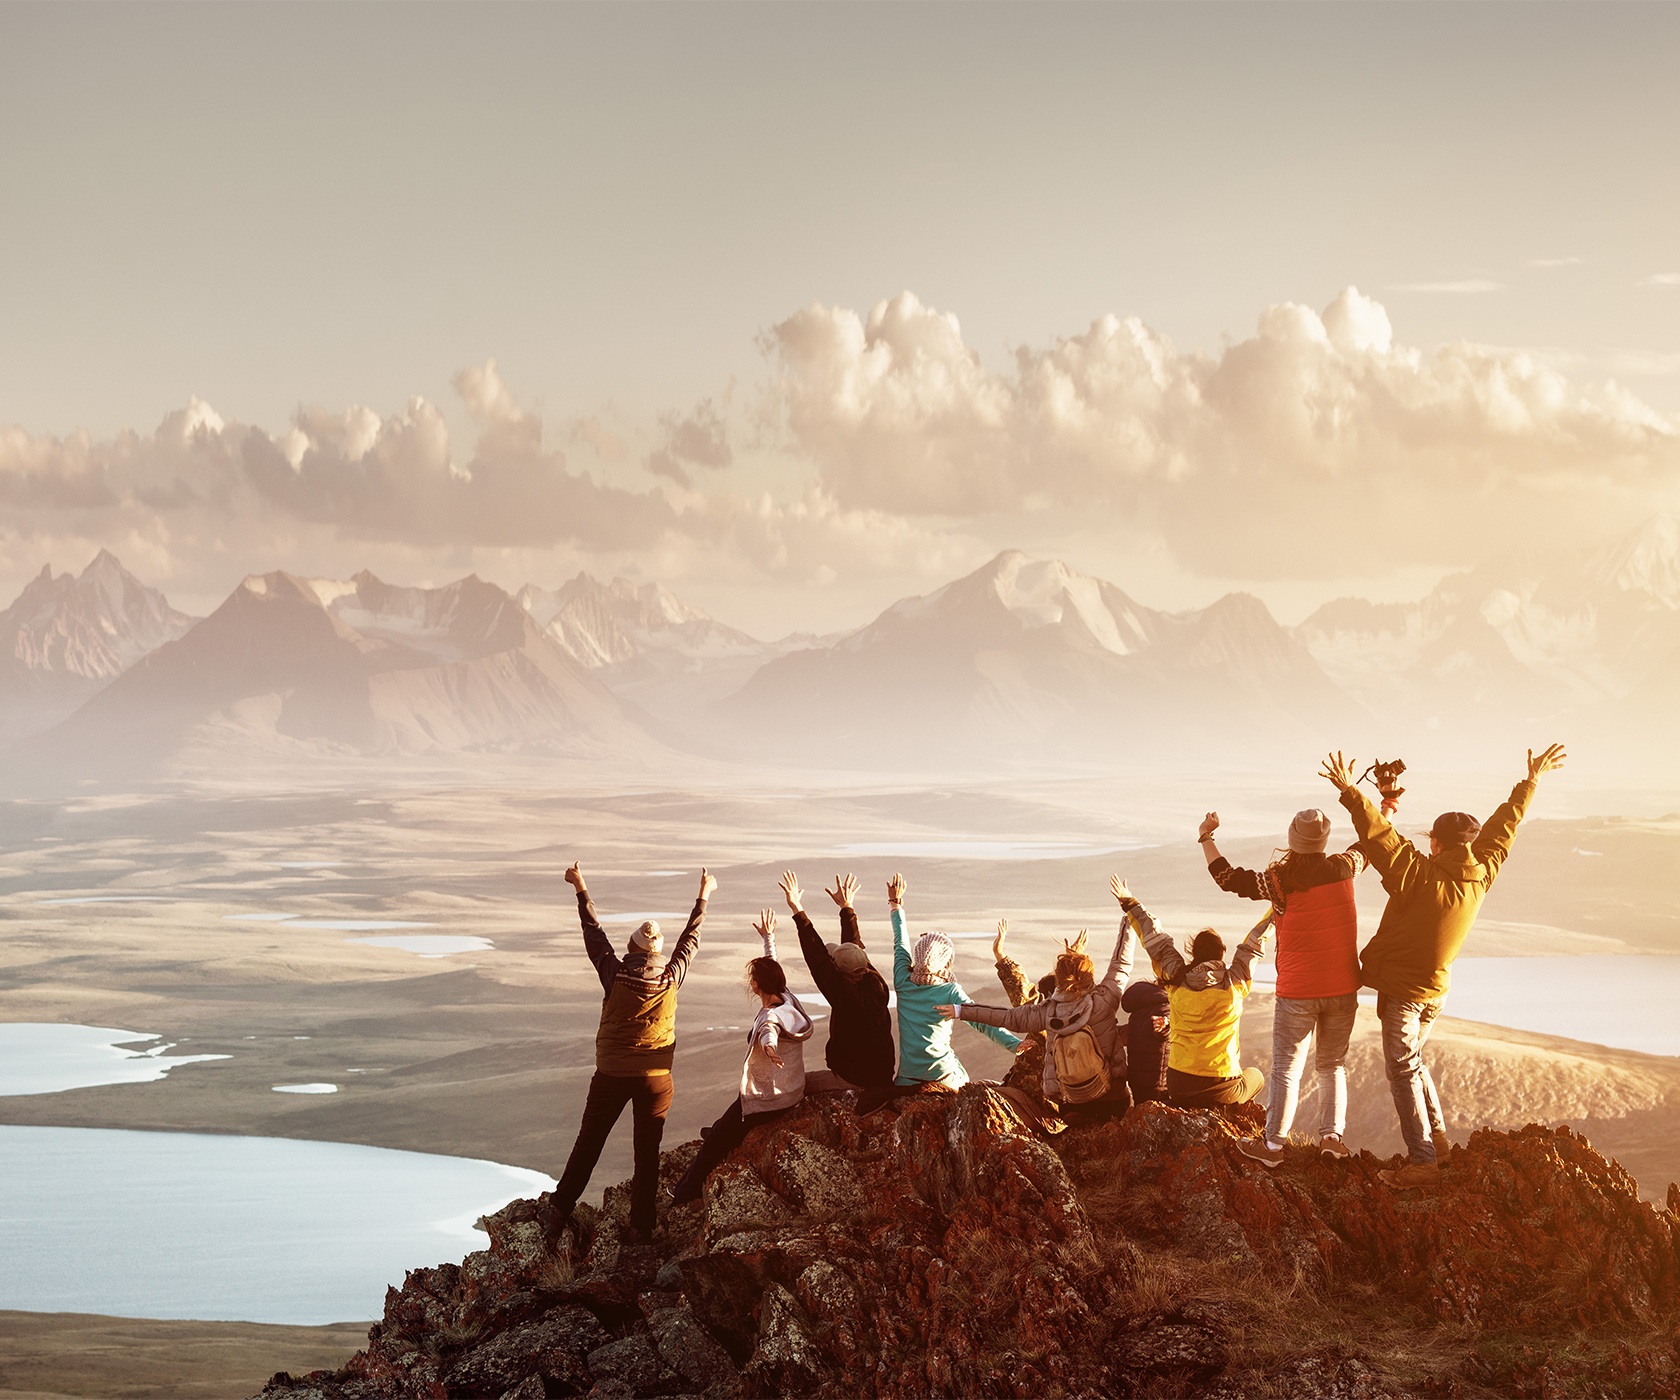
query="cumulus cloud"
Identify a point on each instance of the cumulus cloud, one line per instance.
(1662, 279)
(1292, 453)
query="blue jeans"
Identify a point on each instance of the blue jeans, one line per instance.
(1295, 1020)
(1405, 1026)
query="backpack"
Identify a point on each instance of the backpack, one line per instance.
(1081, 1066)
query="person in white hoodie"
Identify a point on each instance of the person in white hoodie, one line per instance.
(773, 1074)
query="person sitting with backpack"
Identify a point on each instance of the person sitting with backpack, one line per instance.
(1206, 997)
(1084, 1059)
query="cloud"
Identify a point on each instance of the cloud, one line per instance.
(1555, 262)
(1470, 286)
(1295, 453)
(1662, 279)
(699, 437)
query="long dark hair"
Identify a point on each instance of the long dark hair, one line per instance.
(765, 975)
(1207, 946)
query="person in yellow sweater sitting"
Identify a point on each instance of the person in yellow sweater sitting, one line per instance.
(1206, 995)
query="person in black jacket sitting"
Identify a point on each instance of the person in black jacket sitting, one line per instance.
(1146, 1040)
(860, 1051)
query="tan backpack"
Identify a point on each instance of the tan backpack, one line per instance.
(1081, 1067)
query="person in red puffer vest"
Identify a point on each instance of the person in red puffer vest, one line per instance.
(1317, 972)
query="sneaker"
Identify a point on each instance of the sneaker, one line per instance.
(1331, 1145)
(1261, 1151)
(1443, 1147)
(1412, 1174)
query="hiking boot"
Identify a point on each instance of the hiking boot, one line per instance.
(1412, 1174)
(1261, 1151)
(1443, 1148)
(1331, 1145)
(553, 1220)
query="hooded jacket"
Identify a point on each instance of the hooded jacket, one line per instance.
(765, 1086)
(1206, 999)
(1432, 900)
(860, 1040)
(1094, 1009)
(638, 1030)
(924, 1036)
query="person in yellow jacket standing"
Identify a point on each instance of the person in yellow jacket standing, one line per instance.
(1433, 901)
(1206, 996)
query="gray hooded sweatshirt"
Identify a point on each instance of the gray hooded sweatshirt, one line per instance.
(783, 1029)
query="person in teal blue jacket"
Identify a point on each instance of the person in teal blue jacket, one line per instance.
(922, 979)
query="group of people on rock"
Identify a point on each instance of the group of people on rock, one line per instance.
(1178, 1044)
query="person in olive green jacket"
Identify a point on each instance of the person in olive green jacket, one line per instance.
(1432, 903)
(634, 1047)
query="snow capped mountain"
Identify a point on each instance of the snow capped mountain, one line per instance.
(649, 647)
(364, 664)
(1531, 640)
(65, 637)
(1029, 656)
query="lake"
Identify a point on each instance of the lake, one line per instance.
(194, 1225)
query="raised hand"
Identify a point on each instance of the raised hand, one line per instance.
(1548, 762)
(766, 925)
(574, 876)
(997, 940)
(1210, 824)
(1118, 888)
(895, 890)
(947, 1013)
(1338, 770)
(790, 887)
(708, 883)
(844, 888)
(1078, 944)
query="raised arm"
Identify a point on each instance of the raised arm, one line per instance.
(1120, 965)
(1251, 948)
(845, 888)
(765, 928)
(683, 954)
(1015, 984)
(901, 938)
(1396, 859)
(595, 942)
(1493, 843)
(1167, 960)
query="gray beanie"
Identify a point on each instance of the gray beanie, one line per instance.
(1309, 833)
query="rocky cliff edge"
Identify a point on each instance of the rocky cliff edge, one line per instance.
(937, 1247)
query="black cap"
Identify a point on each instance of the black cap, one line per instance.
(1455, 829)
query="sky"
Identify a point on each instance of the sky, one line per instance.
(801, 309)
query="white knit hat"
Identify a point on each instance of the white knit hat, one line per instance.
(931, 960)
(647, 937)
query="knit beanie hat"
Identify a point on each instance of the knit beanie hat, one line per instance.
(1455, 829)
(647, 937)
(931, 960)
(1309, 833)
(849, 958)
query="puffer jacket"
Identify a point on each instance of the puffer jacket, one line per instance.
(1057, 1016)
(1206, 999)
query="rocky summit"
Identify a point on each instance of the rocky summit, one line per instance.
(938, 1247)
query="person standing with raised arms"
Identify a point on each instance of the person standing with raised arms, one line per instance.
(1432, 904)
(634, 1048)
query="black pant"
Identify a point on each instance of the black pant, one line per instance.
(1201, 1091)
(722, 1138)
(650, 1094)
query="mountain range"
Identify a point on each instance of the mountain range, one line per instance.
(1020, 659)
